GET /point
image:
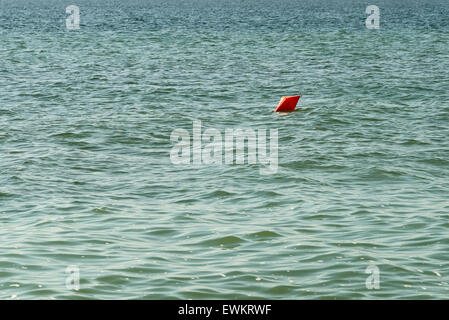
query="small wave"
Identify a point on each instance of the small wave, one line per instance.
(227, 242)
(162, 232)
(6, 195)
(263, 235)
(219, 194)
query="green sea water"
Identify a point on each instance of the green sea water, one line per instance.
(86, 178)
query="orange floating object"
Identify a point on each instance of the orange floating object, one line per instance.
(287, 104)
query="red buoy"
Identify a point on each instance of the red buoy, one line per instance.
(287, 104)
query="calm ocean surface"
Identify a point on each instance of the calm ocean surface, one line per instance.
(86, 178)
